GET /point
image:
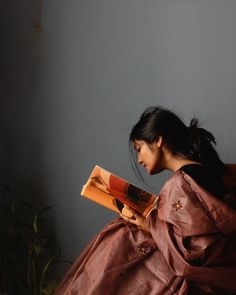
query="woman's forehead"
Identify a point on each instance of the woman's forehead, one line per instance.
(137, 142)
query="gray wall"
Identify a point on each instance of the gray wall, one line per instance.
(73, 92)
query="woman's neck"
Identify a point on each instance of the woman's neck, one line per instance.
(175, 163)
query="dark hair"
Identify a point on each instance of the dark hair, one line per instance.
(192, 143)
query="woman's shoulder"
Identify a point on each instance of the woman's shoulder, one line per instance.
(206, 179)
(175, 181)
(184, 202)
(180, 206)
(199, 175)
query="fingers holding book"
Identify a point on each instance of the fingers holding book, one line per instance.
(131, 216)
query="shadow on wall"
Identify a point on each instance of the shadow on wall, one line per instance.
(29, 253)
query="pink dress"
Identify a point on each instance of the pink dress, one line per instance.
(191, 249)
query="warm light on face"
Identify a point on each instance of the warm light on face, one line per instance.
(148, 156)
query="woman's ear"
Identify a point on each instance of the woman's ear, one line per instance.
(158, 141)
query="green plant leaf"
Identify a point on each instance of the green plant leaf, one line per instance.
(37, 249)
(44, 271)
(28, 253)
(35, 224)
(48, 290)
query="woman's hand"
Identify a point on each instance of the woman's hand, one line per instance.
(131, 216)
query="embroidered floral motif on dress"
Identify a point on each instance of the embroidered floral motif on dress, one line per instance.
(144, 248)
(177, 205)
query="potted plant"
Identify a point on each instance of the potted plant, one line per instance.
(28, 254)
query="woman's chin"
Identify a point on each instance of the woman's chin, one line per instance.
(149, 171)
(155, 171)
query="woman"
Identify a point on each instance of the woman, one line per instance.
(188, 245)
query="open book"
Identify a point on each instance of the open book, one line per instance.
(114, 193)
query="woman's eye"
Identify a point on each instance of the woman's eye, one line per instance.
(138, 150)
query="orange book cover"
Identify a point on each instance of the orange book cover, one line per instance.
(113, 192)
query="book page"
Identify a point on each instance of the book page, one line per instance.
(120, 192)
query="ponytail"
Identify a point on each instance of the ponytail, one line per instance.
(201, 143)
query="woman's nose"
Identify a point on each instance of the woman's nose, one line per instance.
(140, 161)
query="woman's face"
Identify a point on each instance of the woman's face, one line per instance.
(149, 155)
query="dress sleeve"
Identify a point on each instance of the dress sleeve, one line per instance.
(193, 233)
